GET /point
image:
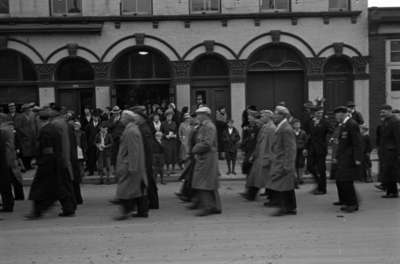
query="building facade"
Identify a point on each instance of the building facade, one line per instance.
(228, 53)
(385, 59)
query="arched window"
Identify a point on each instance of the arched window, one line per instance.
(74, 69)
(210, 65)
(275, 58)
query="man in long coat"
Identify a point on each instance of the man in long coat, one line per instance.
(148, 141)
(348, 159)
(7, 161)
(261, 157)
(25, 125)
(282, 175)
(131, 169)
(389, 149)
(52, 181)
(205, 176)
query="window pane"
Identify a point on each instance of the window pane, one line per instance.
(214, 5)
(74, 6)
(144, 6)
(9, 66)
(129, 6)
(205, 5)
(4, 8)
(395, 80)
(282, 4)
(268, 4)
(197, 5)
(338, 4)
(395, 45)
(395, 56)
(59, 6)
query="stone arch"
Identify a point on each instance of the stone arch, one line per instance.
(140, 40)
(26, 49)
(339, 49)
(72, 50)
(210, 47)
(277, 37)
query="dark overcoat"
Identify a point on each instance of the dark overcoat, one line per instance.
(148, 142)
(349, 150)
(7, 155)
(317, 143)
(389, 149)
(231, 141)
(25, 125)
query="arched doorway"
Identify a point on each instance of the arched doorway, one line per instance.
(338, 83)
(141, 75)
(17, 79)
(210, 82)
(75, 87)
(276, 74)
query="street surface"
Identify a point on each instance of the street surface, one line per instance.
(244, 233)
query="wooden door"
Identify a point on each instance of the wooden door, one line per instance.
(338, 90)
(212, 97)
(69, 98)
(267, 89)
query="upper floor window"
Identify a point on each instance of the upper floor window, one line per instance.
(66, 7)
(395, 51)
(205, 6)
(4, 7)
(395, 80)
(137, 7)
(275, 5)
(339, 5)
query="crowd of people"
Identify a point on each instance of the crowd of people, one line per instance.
(139, 144)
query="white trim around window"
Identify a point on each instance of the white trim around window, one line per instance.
(205, 6)
(66, 7)
(275, 5)
(136, 7)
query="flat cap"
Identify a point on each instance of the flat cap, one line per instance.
(386, 107)
(140, 110)
(340, 109)
(351, 104)
(204, 110)
(282, 110)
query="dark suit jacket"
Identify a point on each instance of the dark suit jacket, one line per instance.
(91, 132)
(389, 148)
(356, 116)
(317, 143)
(349, 150)
(231, 140)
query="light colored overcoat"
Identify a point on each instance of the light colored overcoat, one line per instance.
(205, 175)
(131, 168)
(258, 175)
(283, 172)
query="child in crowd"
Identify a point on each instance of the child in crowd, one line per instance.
(367, 148)
(158, 156)
(301, 139)
(104, 144)
(231, 140)
(81, 145)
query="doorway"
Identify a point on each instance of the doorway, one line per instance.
(76, 99)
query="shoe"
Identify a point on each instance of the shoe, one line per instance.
(192, 207)
(349, 209)
(247, 197)
(33, 216)
(233, 173)
(6, 210)
(380, 187)
(284, 212)
(227, 173)
(121, 217)
(271, 204)
(208, 212)
(389, 196)
(67, 214)
(318, 192)
(143, 215)
(115, 201)
(338, 203)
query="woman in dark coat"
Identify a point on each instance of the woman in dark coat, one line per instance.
(170, 142)
(220, 122)
(231, 140)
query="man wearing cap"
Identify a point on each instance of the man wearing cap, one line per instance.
(148, 141)
(116, 129)
(316, 149)
(389, 149)
(12, 111)
(92, 129)
(357, 116)
(7, 161)
(261, 157)
(348, 159)
(131, 169)
(205, 180)
(51, 181)
(282, 176)
(25, 126)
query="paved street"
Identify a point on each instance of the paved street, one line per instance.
(244, 233)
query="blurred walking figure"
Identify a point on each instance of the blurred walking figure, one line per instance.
(171, 144)
(221, 119)
(131, 170)
(104, 143)
(205, 180)
(231, 140)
